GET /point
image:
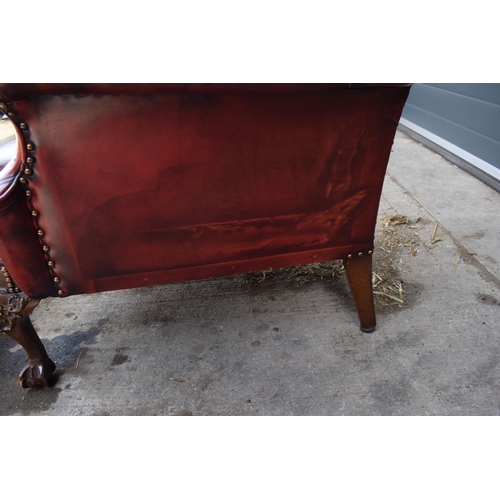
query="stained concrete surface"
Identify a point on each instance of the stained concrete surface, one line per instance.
(229, 347)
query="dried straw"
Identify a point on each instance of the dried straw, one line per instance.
(397, 234)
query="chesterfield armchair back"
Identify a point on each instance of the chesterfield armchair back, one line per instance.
(118, 186)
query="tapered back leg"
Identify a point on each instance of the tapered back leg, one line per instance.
(358, 270)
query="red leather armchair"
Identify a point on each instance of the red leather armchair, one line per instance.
(127, 185)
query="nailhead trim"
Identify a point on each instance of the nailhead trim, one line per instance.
(12, 287)
(359, 254)
(28, 171)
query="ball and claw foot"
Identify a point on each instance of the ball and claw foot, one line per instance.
(36, 373)
(15, 310)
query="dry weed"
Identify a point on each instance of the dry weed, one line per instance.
(396, 233)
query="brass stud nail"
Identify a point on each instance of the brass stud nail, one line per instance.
(40, 232)
(6, 274)
(11, 290)
(28, 171)
(51, 263)
(360, 254)
(28, 193)
(23, 180)
(17, 289)
(34, 213)
(30, 146)
(8, 280)
(45, 248)
(349, 256)
(56, 279)
(23, 126)
(370, 252)
(60, 293)
(3, 106)
(30, 160)
(11, 114)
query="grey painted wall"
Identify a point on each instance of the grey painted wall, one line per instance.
(464, 114)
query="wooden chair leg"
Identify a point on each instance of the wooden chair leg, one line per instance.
(359, 275)
(15, 308)
(39, 368)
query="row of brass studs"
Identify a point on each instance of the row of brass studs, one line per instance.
(360, 254)
(11, 286)
(24, 180)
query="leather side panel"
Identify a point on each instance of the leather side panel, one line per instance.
(138, 185)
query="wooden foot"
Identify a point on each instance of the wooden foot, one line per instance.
(15, 308)
(38, 369)
(358, 270)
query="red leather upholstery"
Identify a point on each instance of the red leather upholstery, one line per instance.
(141, 184)
(19, 91)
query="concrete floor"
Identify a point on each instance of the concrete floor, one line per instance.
(228, 347)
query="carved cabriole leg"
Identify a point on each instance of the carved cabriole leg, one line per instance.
(15, 308)
(358, 270)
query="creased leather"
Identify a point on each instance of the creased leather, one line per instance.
(144, 185)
